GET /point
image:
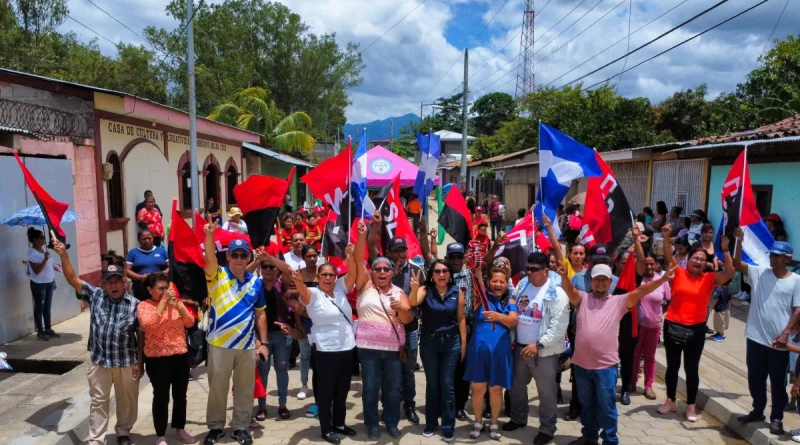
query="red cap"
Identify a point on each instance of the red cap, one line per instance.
(774, 217)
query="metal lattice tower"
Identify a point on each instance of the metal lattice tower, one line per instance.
(526, 79)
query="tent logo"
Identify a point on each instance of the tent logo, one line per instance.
(380, 166)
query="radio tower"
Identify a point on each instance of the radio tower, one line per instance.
(526, 80)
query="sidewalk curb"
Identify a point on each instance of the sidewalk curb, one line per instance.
(716, 404)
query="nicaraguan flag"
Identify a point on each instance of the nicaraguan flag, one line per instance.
(430, 147)
(561, 160)
(755, 246)
(358, 180)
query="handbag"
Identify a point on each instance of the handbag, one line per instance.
(196, 343)
(403, 348)
(678, 334)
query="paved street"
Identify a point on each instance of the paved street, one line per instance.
(639, 422)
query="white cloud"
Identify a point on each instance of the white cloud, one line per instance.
(412, 57)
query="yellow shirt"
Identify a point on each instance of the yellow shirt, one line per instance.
(570, 271)
(233, 303)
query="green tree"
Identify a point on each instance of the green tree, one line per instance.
(686, 115)
(490, 111)
(780, 103)
(253, 109)
(256, 43)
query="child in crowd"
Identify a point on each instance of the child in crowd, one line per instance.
(721, 299)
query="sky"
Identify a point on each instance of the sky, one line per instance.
(421, 58)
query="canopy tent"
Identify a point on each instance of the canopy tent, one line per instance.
(383, 166)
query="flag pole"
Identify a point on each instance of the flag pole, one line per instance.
(741, 199)
(391, 191)
(349, 183)
(541, 183)
(364, 179)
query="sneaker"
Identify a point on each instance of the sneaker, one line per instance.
(751, 418)
(668, 407)
(243, 437)
(718, 337)
(42, 336)
(542, 439)
(449, 436)
(745, 303)
(511, 426)
(185, 437)
(429, 430)
(374, 433)
(795, 435)
(691, 413)
(161, 440)
(212, 437)
(776, 427)
(394, 432)
(303, 393)
(709, 331)
(649, 394)
(312, 411)
(51, 333)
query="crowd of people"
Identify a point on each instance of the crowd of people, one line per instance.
(482, 331)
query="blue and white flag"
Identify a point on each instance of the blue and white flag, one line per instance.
(358, 180)
(430, 148)
(561, 160)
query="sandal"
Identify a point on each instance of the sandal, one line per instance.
(494, 431)
(261, 415)
(477, 429)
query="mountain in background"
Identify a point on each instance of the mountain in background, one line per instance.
(377, 130)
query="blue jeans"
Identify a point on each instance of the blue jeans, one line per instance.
(381, 372)
(598, 395)
(305, 359)
(280, 346)
(440, 355)
(409, 384)
(42, 298)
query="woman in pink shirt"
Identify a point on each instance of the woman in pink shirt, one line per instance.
(164, 319)
(650, 318)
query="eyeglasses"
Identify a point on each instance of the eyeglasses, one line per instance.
(441, 271)
(456, 256)
(535, 268)
(382, 269)
(240, 256)
(162, 288)
(327, 275)
(268, 266)
(698, 259)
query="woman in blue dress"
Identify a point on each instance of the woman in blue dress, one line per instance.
(489, 356)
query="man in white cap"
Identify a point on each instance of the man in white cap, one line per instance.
(595, 362)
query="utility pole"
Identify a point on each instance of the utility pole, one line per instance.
(391, 133)
(463, 178)
(420, 112)
(195, 186)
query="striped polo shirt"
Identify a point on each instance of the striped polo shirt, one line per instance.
(232, 306)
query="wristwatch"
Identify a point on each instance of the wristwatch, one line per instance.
(539, 345)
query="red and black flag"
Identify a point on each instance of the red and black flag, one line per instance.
(52, 210)
(520, 243)
(456, 217)
(186, 260)
(395, 221)
(221, 237)
(607, 215)
(261, 198)
(338, 233)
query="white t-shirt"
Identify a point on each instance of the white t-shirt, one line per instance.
(529, 303)
(771, 304)
(332, 331)
(48, 274)
(294, 261)
(241, 228)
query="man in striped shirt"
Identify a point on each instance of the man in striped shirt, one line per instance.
(236, 306)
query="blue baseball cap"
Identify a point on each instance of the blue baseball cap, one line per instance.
(781, 248)
(455, 248)
(238, 244)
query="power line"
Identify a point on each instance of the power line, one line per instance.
(570, 26)
(92, 30)
(679, 44)
(584, 30)
(695, 17)
(630, 13)
(562, 18)
(771, 34)
(393, 26)
(615, 43)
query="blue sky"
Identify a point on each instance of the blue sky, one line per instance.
(420, 59)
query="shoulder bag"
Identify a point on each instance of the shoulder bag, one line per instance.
(403, 348)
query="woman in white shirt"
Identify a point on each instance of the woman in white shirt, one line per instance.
(235, 223)
(334, 342)
(43, 283)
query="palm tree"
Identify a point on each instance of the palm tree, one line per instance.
(254, 110)
(781, 102)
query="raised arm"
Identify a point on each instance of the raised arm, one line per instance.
(722, 277)
(637, 294)
(666, 232)
(360, 275)
(69, 271)
(417, 295)
(638, 250)
(282, 266)
(424, 244)
(257, 258)
(210, 248)
(740, 265)
(302, 289)
(566, 284)
(551, 235)
(375, 225)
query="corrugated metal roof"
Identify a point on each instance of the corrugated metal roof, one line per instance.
(739, 143)
(277, 156)
(451, 136)
(523, 164)
(21, 131)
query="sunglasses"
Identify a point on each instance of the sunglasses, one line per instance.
(441, 271)
(327, 275)
(240, 256)
(382, 269)
(535, 268)
(456, 256)
(268, 266)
